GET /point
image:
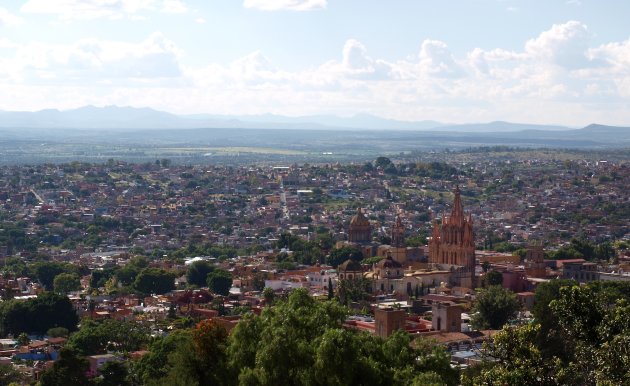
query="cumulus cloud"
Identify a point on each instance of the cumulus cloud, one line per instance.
(94, 9)
(564, 44)
(537, 83)
(9, 19)
(437, 59)
(290, 5)
(93, 61)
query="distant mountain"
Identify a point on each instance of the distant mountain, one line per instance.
(90, 117)
(606, 130)
(358, 121)
(129, 118)
(500, 127)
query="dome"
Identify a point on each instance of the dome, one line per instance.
(349, 266)
(388, 263)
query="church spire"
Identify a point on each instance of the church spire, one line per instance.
(457, 214)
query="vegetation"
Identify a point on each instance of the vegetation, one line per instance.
(197, 273)
(220, 282)
(299, 341)
(589, 335)
(38, 315)
(494, 307)
(97, 337)
(154, 281)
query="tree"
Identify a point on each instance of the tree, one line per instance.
(23, 339)
(69, 369)
(592, 326)
(58, 332)
(550, 338)
(283, 351)
(494, 277)
(66, 282)
(113, 373)
(201, 360)
(416, 241)
(339, 255)
(197, 273)
(47, 271)
(154, 281)
(494, 307)
(108, 335)
(269, 295)
(9, 375)
(220, 282)
(517, 361)
(301, 341)
(37, 315)
(352, 290)
(258, 281)
(155, 364)
(382, 162)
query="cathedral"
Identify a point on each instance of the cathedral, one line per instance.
(451, 255)
(453, 243)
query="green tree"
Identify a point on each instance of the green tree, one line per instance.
(282, 352)
(201, 360)
(23, 339)
(47, 271)
(37, 315)
(220, 282)
(339, 255)
(58, 332)
(154, 281)
(550, 338)
(66, 282)
(9, 375)
(352, 290)
(494, 307)
(155, 365)
(112, 373)
(494, 277)
(97, 337)
(301, 341)
(382, 162)
(69, 369)
(197, 273)
(269, 295)
(516, 360)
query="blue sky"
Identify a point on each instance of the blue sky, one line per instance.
(553, 61)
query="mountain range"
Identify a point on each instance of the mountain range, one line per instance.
(118, 118)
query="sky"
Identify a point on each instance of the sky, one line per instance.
(533, 61)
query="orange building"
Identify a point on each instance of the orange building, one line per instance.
(453, 243)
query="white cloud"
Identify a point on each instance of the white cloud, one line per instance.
(9, 19)
(91, 61)
(436, 59)
(564, 44)
(536, 83)
(94, 9)
(291, 5)
(174, 6)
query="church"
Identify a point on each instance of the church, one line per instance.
(453, 243)
(451, 255)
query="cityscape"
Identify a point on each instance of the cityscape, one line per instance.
(313, 192)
